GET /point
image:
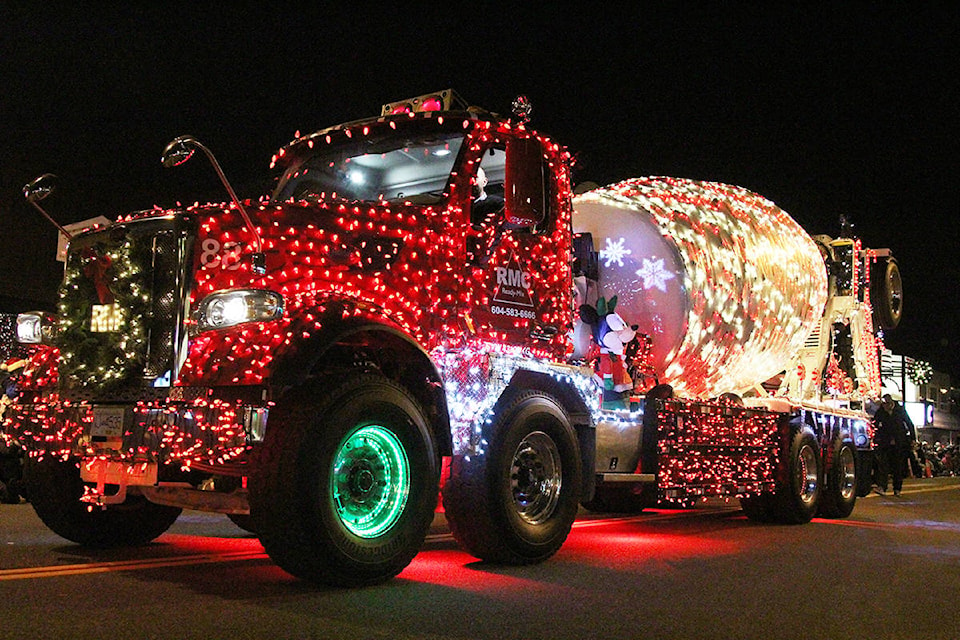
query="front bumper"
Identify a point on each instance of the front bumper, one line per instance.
(189, 434)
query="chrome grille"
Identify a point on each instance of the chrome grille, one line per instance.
(165, 304)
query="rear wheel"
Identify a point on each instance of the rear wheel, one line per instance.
(515, 502)
(55, 488)
(799, 482)
(347, 481)
(840, 487)
(759, 508)
(242, 520)
(800, 478)
(865, 462)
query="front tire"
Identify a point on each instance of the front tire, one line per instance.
(515, 502)
(55, 488)
(346, 483)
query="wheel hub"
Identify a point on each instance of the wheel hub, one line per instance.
(849, 480)
(370, 481)
(807, 474)
(362, 480)
(535, 477)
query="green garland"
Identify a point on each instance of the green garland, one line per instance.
(105, 360)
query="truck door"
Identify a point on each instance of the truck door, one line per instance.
(515, 285)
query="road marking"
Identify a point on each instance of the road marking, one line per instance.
(889, 494)
(126, 565)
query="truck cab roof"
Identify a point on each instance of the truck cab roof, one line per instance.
(392, 157)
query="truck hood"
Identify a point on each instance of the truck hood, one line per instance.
(360, 258)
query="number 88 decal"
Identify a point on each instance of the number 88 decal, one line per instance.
(214, 255)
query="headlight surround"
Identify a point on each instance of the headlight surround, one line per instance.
(237, 306)
(36, 327)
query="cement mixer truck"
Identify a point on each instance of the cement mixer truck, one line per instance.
(421, 306)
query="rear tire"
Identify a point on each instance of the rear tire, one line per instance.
(840, 486)
(515, 502)
(759, 508)
(346, 482)
(242, 520)
(865, 463)
(799, 478)
(55, 488)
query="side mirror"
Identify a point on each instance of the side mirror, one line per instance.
(40, 188)
(178, 151)
(524, 183)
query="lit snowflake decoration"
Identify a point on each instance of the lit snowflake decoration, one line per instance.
(654, 275)
(614, 252)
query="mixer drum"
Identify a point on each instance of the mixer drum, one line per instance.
(727, 284)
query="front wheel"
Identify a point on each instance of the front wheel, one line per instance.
(55, 488)
(515, 502)
(346, 483)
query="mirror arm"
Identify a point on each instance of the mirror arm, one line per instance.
(233, 195)
(52, 221)
(39, 189)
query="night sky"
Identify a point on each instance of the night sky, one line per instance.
(841, 109)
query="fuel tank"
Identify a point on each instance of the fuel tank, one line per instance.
(726, 284)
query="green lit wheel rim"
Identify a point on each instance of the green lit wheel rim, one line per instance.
(535, 477)
(370, 481)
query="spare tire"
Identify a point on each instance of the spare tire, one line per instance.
(886, 293)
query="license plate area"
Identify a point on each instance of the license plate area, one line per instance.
(109, 423)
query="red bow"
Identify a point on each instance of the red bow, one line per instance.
(95, 267)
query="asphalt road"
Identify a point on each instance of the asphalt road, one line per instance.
(892, 570)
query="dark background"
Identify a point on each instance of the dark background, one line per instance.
(837, 109)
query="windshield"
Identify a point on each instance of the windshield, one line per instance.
(385, 164)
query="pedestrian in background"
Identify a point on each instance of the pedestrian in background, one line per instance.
(894, 436)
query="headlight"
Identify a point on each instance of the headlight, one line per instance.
(35, 327)
(228, 308)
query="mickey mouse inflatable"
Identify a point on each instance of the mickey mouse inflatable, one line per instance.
(611, 334)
